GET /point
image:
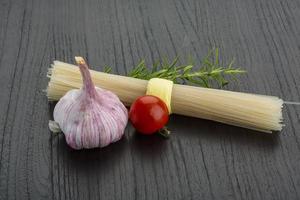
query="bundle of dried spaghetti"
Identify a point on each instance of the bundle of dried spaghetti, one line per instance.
(257, 112)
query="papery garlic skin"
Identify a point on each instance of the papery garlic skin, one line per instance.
(90, 117)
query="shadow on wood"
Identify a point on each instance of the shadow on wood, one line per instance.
(214, 132)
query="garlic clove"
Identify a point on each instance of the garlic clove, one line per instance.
(54, 127)
(90, 117)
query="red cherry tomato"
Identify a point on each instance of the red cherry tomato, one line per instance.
(148, 114)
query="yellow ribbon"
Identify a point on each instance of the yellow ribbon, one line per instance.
(161, 88)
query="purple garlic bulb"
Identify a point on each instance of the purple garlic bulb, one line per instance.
(90, 117)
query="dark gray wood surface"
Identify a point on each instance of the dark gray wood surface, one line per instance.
(203, 159)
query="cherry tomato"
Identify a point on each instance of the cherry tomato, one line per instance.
(148, 114)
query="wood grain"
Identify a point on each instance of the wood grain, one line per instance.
(203, 159)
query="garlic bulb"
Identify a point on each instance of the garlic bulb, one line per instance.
(90, 117)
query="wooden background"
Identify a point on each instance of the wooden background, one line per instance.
(203, 159)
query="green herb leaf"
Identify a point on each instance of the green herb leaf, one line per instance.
(209, 73)
(107, 69)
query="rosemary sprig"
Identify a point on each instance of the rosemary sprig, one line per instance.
(210, 72)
